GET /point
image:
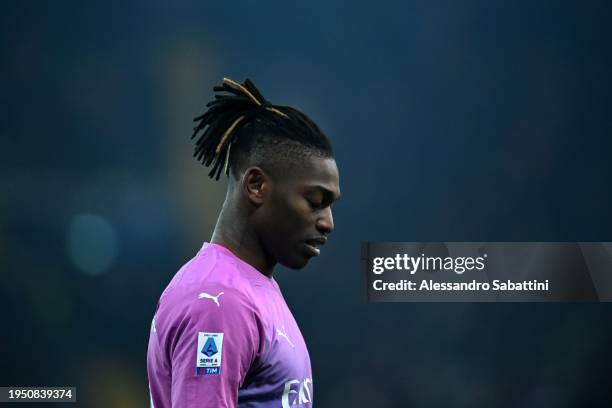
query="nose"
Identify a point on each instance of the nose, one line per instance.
(325, 221)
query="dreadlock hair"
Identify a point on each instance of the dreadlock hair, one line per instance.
(241, 126)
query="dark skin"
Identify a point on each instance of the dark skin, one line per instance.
(279, 218)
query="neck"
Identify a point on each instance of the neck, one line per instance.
(232, 232)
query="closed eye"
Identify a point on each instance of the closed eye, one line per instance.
(315, 205)
(319, 198)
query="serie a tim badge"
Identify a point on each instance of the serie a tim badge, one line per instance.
(209, 353)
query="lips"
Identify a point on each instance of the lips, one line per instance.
(313, 245)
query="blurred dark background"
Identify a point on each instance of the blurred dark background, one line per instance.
(452, 121)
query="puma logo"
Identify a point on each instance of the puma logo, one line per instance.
(284, 334)
(215, 299)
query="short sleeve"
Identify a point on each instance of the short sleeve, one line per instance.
(221, 338)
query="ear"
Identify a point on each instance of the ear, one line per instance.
(255, 185)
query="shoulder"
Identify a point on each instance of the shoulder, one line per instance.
(209, 279)
(210, 301)
(211, 289)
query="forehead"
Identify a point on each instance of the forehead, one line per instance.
(315, 171)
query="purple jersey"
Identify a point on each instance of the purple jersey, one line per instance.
(223, 336)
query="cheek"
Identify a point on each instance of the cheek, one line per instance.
(298, 220)
(288, 221)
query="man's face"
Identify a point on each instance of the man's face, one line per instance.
(296, 216)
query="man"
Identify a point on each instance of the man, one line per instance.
(222, 335)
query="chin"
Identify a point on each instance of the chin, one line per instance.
(295, 263)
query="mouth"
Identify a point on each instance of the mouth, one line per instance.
(313, 245)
